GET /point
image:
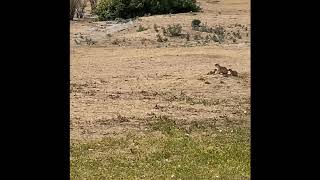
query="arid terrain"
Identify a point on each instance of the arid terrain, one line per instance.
(125, 78)
(135, 80)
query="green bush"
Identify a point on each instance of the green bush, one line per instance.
(111, 9)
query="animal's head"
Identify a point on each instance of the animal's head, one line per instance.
(217, 65)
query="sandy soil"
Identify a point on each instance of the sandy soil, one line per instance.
(126, 77)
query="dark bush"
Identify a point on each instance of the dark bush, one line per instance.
(111, 9)
(195, 23)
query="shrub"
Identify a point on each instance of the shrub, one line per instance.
(219, 33)
(93, 4)
(144, 40)
(89, 41)
(197, 37)
(218, 38)
(111, 9)
(164, 31)
(206, 28)
(219, 30)
(207, 39)
(160, 39)
(173, 30)
(195, 23)
(237, 34)
(188, 37)
(116, 42)
(141, 28)
(203, 28)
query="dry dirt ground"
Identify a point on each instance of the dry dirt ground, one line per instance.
(127, 77)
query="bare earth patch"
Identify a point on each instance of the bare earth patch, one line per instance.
(133, 82)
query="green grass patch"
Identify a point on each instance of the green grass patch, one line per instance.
(170, 154)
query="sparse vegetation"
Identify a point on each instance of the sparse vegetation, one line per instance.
(205, 28)
(237, 34)
(141, 28)
(208, 38)
(188, 37)
(122, 119)
(93, 4)
(116, 42)
(161, 39)
(111, 9)
(173, 30)
(89, 41)
(155, 27)
(84, 39)
(218, 38)
(197, 37)
(144, 40)
(218, 31)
